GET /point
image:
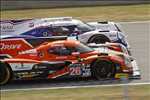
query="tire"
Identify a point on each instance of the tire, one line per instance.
(98, 39)
(3, 57)
(103, 69)
(5, 73)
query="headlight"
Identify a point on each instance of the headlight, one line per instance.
(124, 49)
(128, 59)
(123, 39)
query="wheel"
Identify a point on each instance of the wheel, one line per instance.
(102, 69)
(98, 39)
(4, 74)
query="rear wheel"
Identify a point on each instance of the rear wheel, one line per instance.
(98, 39)
(5, 74)
(102, 69)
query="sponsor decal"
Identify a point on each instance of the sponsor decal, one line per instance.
(13, 46)
(28, 74)
(21, 66)
(113, 35)
(75, 71)
(6, 27)
(4, 46)
(86, 71)
(40, 67)
(80, 69)
(121, 75)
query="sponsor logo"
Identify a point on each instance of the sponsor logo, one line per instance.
(80, 69)
(28, 74)
(21, 66)
(4, 46)
(75, 71)
(40, 67)
(113, 35)
(6, 27)
(121, 75)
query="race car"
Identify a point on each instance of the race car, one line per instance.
(68, 58)
(90, 32)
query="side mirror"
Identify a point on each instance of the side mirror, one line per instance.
(76, 54)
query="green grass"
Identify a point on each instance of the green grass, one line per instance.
(112, 13)
(98, 93)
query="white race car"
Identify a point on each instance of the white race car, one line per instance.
(90, 32)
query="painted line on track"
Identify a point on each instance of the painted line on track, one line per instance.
(134, 22)
(73, 87)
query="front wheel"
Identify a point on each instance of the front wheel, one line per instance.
(102, 69)
(98, 39)
(5, 74)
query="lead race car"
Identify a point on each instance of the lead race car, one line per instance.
(90, 32)
(69, 58)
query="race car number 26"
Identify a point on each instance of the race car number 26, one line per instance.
(75, 71)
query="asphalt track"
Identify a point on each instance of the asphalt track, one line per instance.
(138, 36)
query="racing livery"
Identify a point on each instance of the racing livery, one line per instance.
(11, 46)
(69, 58)
(90, 32)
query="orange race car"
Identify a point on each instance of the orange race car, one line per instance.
(68, 58)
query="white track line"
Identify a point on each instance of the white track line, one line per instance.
(72, 87)
(134, 22)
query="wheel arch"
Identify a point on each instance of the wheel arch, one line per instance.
(98, 34)
(10, 69)
(7, 73)
(103, 59)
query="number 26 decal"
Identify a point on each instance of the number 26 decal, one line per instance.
(75, 71)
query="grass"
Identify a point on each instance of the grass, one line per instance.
(112, 13)
(141, 92)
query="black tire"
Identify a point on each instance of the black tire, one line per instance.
(5, 73)
(102, 69)
(98, 39)
(3, 57)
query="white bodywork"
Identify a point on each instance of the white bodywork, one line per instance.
(106, 26)
(109, 29)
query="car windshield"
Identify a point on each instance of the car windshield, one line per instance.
(84, 27)
(83, 48)
(107, 27)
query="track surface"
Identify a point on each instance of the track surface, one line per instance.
(138, 37)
